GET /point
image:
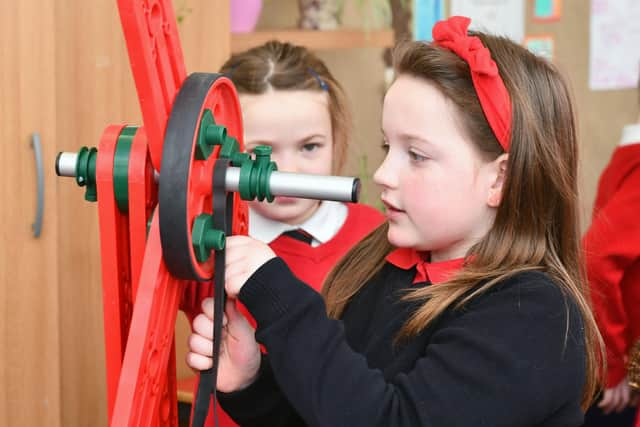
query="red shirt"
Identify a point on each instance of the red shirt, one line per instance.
(432, 272)
(313, 264)
(612, 249)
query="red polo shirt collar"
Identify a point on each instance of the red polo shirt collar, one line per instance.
(431, 272)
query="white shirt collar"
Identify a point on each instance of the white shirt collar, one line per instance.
(630, 134)
(323, 225)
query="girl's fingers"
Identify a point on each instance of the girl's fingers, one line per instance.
(200, 345)
(231, 310)
(237, 241)
(236, 248)
(626, 392)
(615, 400)
(624, 398)
(606, 400)
(199, 362)
(202, 325)
(207, 307)
(234, 269)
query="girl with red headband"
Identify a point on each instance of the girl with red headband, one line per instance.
(468, 306)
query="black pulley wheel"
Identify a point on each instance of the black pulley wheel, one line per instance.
(185, 178)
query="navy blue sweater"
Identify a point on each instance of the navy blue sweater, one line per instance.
(514, 356)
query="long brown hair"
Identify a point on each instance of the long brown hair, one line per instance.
(284, 66)
(537, 223)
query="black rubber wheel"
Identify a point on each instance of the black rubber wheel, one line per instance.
(177, 155)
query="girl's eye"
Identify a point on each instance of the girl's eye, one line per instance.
(311, 146)
(385, 146)
(417, 157)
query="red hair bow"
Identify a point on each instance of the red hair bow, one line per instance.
(492, 93)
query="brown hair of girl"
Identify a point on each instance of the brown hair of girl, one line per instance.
(283, 66)
(537, 223)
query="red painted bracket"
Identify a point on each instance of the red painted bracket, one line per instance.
(114, 248)
(141, 395)
(157, 63)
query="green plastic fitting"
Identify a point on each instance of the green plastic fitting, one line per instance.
(86, 172)
(205, 238)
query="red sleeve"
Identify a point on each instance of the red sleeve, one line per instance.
(611, 244)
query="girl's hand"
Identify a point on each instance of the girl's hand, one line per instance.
(615, 399)
(244, 256)
(239, 351)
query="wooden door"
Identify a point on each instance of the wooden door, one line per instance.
(29, 302)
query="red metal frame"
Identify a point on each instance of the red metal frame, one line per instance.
(140, 298)
(114, 249)
(151, 32)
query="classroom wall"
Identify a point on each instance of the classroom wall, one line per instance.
(601, 114)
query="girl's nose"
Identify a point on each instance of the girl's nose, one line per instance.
(385, 176)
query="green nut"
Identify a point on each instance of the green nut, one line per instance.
(215, 134)
(209, 135)
(86, 172)
(205, 238)
(255, 175)
(262, 152)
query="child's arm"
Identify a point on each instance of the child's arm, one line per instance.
(261, 404)
(509, 360)
(611, 245)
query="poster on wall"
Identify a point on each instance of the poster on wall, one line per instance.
(614, 55)
(425, 14)
(547, 10)
(503, 17)
(540, 45)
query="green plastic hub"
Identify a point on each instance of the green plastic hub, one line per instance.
(230, 146)
(238, 159)
(86, 172)
(255, 175)
(209, 135)
(205, 238)
(121, 167)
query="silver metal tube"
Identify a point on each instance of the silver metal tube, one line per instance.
(66, 164)
(232, 180)
(305, 186)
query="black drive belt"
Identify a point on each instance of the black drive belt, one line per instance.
(222, 216)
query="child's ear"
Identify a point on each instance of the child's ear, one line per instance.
(499, 168)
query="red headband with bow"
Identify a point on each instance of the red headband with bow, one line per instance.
(492, 93)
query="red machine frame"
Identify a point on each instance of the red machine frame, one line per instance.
(141, 299)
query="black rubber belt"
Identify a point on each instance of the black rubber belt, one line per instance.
(222, 216)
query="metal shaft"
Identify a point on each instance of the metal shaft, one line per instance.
(305, 186)
(66, 164)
